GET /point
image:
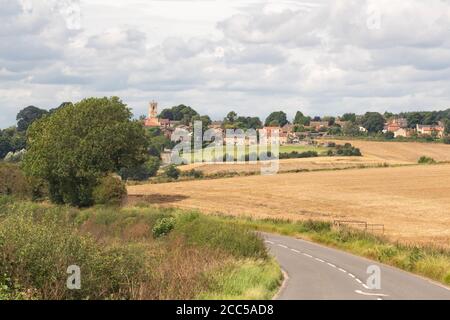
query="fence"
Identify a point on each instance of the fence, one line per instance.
(362, 225)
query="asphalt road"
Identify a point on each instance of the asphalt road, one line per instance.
(316, 272)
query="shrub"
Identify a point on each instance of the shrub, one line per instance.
(163, 226)
(142, 172)
(197, 174)
(426, 160)
(447, 140)
(172, 172)
(13, 181)
(36, 255)
(110, 191)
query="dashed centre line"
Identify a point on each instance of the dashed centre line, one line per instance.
(322, 261)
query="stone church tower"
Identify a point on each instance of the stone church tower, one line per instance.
(152, 120)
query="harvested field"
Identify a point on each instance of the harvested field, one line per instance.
(400, 151)
(413, 202)
(287, 165)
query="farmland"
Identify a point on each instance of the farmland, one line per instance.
(412, 201)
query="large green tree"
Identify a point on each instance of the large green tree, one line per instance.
(179, 113)
(79, 144)
(301, 119)
(373, 122)
(277, 118)
(27, 116)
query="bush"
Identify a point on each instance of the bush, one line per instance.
(426, 160)
(163, 227)
(36, 254)
(296, 155)
(13, 181)
(196, 174)
(110, 191)
(142, 172)
(172, 172)
(447, 140)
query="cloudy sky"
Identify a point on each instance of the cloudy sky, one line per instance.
(253, 56)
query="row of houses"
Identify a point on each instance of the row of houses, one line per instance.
(399, 127)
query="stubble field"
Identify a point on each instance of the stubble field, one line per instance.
(413, 202)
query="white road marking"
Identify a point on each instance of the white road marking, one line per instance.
(359, 281)
(320, 260)
(283, 246)
(295, 250)
(342, 270)
(308, 255)
(351, 275)
(365, 286)
(371, 294)
(331, 265)
(269, 242)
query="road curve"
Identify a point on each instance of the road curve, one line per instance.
(316, 272)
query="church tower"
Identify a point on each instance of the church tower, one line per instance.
(153, 110)
(152, 120)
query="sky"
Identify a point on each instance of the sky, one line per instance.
(251, 56)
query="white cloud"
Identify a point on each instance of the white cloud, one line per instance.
(326, 57)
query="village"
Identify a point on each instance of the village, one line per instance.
(291, 133)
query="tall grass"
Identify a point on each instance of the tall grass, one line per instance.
(119, 256)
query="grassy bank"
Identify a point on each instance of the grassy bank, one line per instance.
(132, 253)
(428, 261)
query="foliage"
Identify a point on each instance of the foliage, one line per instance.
(349, 117)
(80, 143)
(426, 160)
(172, 172)
(373, 121)
(142, 172)
(351, 129)
(27, 116)
(347, 150)
(163, 226)
(297, 155)
(110, 191)
(196, 174)
(11, 140)
(277, 118)
(232, 121)
(301, 119)
(179, 113)
(13, 181)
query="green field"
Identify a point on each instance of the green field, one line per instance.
(282, 149)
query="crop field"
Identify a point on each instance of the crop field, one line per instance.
(412, 201)
(374, 154)
(400, 151)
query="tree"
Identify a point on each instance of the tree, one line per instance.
(277, 118)
(373, 122)
(172, 172)
(27, 116)
(349, 117)
(447, 126)
(179, 113)
(350, 129)
(231, 117)
(301, 119)
(79, 144)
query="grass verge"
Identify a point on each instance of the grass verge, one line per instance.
(132, 253)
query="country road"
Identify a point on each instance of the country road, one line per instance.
(316, 272)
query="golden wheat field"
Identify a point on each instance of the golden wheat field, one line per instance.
(400, 151)
(413, 202)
